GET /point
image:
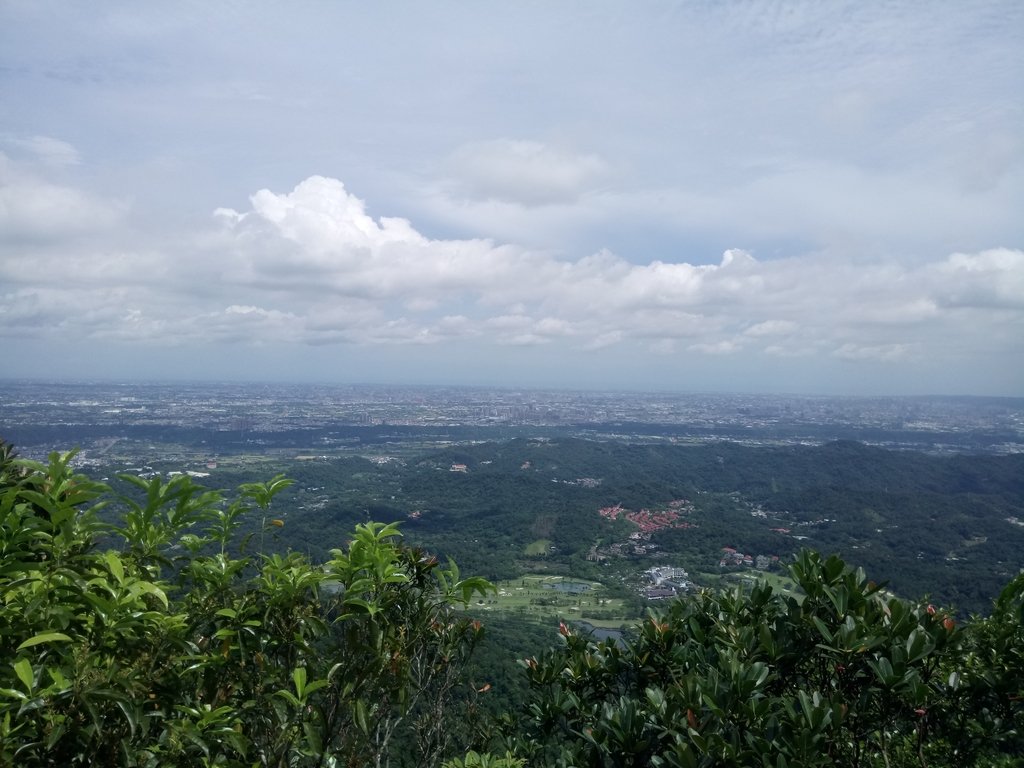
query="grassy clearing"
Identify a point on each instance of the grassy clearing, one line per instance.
(539, 596)
(538, 547)
(778, 581)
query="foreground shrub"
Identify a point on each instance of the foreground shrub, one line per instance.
(174, 647)
(840, 673)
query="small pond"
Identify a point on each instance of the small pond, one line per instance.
(601, 633)
(570, 587)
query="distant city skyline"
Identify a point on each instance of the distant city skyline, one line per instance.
(766, 197)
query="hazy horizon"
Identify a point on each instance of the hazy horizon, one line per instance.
(481, 385)
(766, 197)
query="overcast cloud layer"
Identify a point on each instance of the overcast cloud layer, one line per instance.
(802, 197)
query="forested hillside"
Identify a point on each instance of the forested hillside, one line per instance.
(173, 635)
(938, 525)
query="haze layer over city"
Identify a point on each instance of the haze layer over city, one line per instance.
(324, 420)
(819, 198)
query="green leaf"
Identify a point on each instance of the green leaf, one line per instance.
(116, 568)
(360, 585)
(58, 677)
(313, 738)
(360, 716)
(23, 669)
(299, 678)
(823, 629)
(315, 686)
(289, 697)
(359, 603)
(131, 714)
(150, 589)
(45, 637)
(42, 501)
(56, 734)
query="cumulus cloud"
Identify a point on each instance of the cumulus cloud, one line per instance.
(312, 266)
(320, 239)
(992, 278)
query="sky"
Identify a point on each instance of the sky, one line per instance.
(799, 197)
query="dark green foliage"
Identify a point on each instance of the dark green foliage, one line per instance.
(842, 675)
(177, 649)
(189, 644)
(928, 524)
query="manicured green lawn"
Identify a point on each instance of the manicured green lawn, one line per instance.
(543, 596)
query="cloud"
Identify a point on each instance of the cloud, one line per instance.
(723, 347)
(51, 151)
(771, 328)
(24, 310)
(887, 353)
(599, 301)
(777, 350)
(992, 278)
(313, 267)
(866, 184)
(249, 324)
(526, 173)
(35, 208)
(604, 340)
(320, 238)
